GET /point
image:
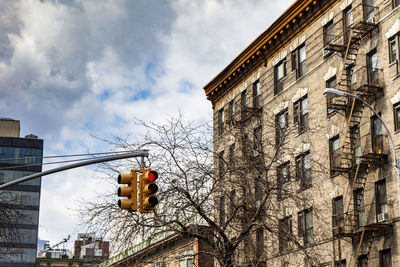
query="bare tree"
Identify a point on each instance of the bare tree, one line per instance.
(9, 219)
(238, 188)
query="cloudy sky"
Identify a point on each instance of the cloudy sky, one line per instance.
(70, 70)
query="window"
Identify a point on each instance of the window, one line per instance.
(231, 113)
(243, 103)
(306, 229)
(259, 242)
(186, 258)
(396, 3)
(372, 68)
(303, 170)
(257, 142)
(394, 46)
(328, 33)
(232, 206)
(369, 10)
(256, 94)
(381, 198)
(221, 120)
(359, 207)
(280, 74)
(221, 164)
(337, 212)
(160, 263)
(300, 110)
(331, 83)
(341, 263)
(334, 154)
(283, 176)
(377, 135)
(396, 110)
(299, 61)
(258, 190)
(356, 143)
(347, 22)
(231, 152)
(281, 125)
(385, 258)
(362, 261)
(285, 232)
(222, 210)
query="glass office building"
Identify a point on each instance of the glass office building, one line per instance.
(20, 203)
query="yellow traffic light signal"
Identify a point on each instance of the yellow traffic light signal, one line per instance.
(130, 191)
(148, 189)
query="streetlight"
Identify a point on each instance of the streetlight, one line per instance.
(331, 93)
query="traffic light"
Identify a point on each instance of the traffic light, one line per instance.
(148, 190)
(130, 191)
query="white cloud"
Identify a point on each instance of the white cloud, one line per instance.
(72, 69)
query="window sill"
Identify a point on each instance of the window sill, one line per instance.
(300, 132)
(304, 188)
(331, 114)
(334, 174)
(394, 77)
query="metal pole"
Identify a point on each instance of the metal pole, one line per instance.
(137, 153)
(395, 160)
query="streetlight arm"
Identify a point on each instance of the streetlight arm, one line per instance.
(331, 93)
(138, 153)
(396, 164)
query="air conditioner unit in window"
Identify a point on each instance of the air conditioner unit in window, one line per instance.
(382, 217)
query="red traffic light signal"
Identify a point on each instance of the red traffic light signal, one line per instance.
(152, 176)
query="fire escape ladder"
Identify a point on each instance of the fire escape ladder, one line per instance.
(365, 22)
(344, 84)
(347, 148)
(359, 248)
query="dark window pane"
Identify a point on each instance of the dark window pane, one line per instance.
(338, 211)
(396, 109)
(256, 94)
(222, 210)
(279, 73)
(328, 33)
(385, 258)
(221, 120)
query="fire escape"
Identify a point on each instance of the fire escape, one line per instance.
(357, 152)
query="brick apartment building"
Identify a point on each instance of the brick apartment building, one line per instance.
(335, 153)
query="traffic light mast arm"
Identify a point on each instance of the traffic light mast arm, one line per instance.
(134, 154)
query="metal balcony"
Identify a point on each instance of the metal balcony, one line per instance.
(367, 82)
(365, 20)
(373, 147)
(352, 223)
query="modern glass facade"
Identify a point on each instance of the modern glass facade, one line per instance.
(20, 157)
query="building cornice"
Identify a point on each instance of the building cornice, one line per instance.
(298, 17)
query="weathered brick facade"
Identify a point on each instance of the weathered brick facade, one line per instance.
(367, 227)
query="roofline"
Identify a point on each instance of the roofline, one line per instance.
(255, 53)
(252, 44)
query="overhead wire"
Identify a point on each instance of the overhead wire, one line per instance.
(57, 162)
